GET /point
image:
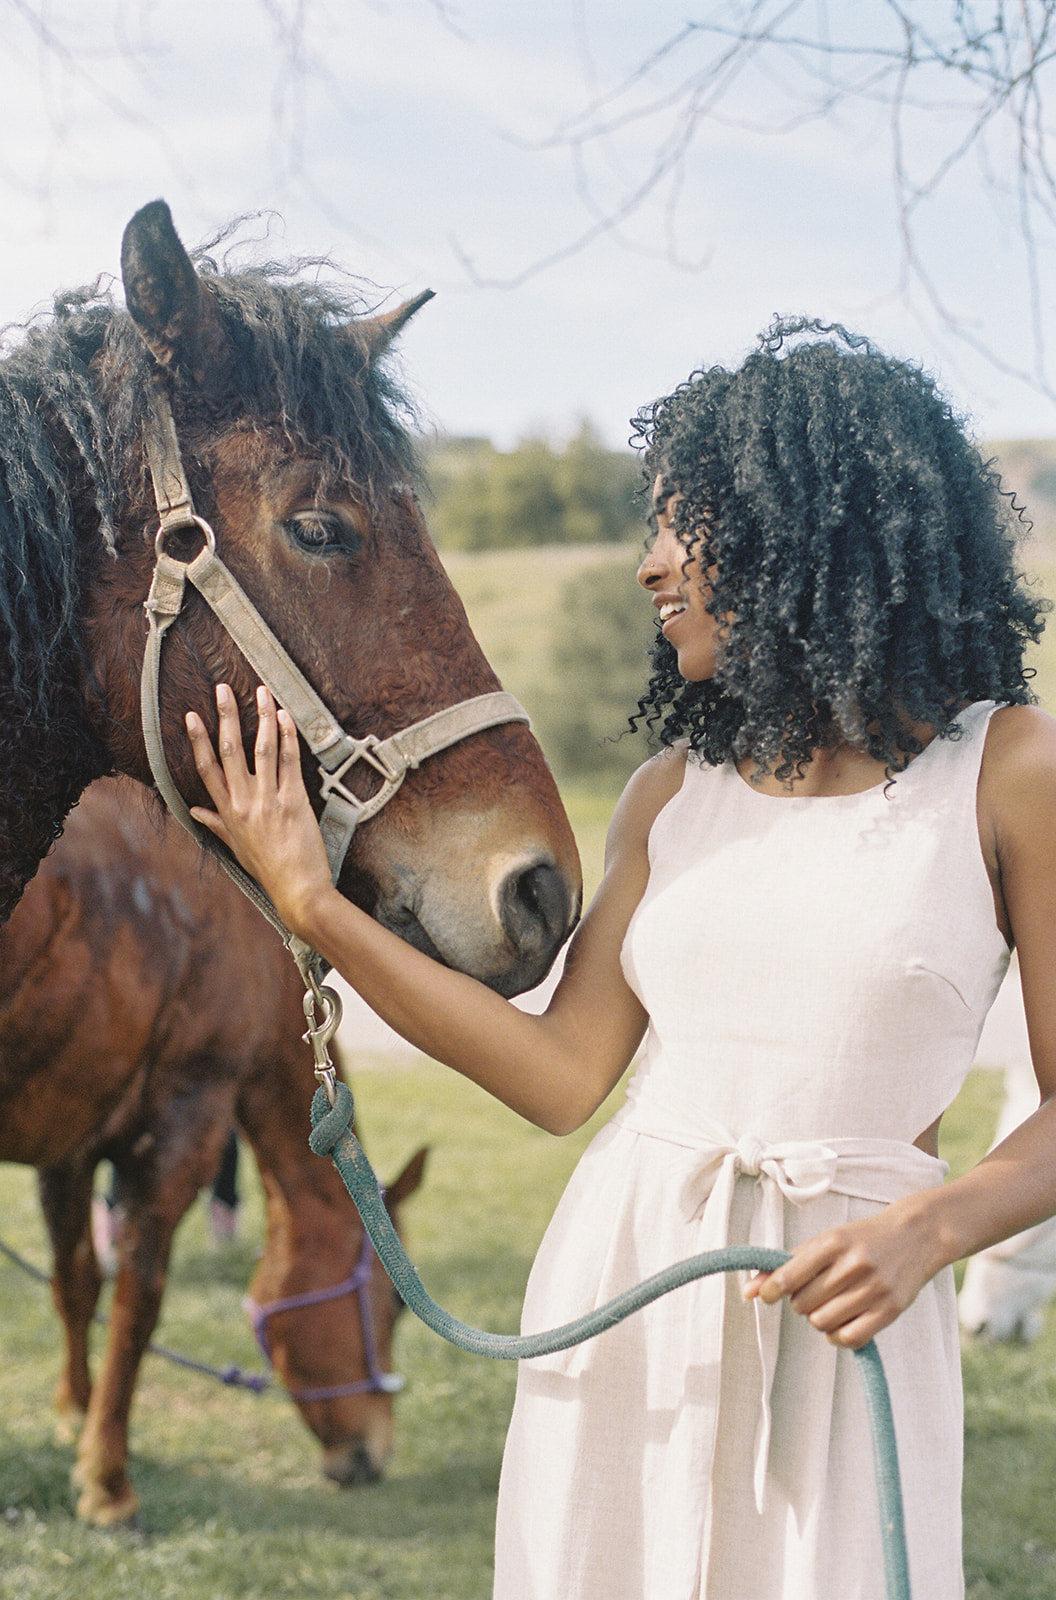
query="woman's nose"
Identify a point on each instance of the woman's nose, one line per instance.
(656, 565)
(649, 573)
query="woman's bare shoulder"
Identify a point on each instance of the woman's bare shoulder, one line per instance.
(1017, 783)
(1020, 749)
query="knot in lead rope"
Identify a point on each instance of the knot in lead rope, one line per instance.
(334, 1120)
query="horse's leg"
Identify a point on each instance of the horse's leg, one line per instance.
(160, 1184)
(66, 1198)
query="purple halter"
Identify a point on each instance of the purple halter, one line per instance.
(377, 1381)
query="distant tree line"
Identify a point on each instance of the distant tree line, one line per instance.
(535, 494)
(597, 642)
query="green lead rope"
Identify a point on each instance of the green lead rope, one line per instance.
(332, 1136)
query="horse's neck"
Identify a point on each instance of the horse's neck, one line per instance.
(313, 1232)
(45, 766)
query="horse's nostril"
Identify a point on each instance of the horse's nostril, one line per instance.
(535, 906)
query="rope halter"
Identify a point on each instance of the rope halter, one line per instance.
(377, 1381)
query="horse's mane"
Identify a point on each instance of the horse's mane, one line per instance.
(73, 390)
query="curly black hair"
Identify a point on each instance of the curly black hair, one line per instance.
(865, 555)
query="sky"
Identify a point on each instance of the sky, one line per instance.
(417, 143)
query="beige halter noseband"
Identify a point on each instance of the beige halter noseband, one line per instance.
(336, 751)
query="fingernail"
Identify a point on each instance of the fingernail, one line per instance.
(223, 694)
(191, 720)
(261, 698)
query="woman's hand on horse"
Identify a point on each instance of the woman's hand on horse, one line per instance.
(852, 1281)
(263, 816)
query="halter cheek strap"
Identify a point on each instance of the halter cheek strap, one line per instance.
(378, 1380)
(336, 751)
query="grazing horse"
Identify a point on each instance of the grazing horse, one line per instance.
(144, 1007)
(290, 429)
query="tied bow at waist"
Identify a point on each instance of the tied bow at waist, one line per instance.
(801, 1169)
(793, 1170)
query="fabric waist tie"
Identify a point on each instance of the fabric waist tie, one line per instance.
(797, 1170)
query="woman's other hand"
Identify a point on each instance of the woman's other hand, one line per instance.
(851, 1281)
(264, 816)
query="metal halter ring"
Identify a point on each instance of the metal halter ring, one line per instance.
(369, 750)
(191, 519)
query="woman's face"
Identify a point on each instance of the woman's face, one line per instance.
(679, 594)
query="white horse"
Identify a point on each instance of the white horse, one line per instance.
(1007, 1288)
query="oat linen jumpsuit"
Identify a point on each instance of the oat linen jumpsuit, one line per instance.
(816, 971)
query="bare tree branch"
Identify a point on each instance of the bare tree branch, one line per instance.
(978, 71)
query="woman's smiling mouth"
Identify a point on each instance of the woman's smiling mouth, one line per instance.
(669, 615)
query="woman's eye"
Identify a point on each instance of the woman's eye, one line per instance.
(320, 530)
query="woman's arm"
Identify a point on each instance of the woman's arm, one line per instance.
(553, 1069)
(853, 1281)
(1014, 1186)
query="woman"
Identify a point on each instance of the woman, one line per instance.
(809, 901)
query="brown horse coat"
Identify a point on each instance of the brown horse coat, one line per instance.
(144, 1007)
(292, 430)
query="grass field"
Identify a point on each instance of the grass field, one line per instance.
(233, 1501)
(232, 1498)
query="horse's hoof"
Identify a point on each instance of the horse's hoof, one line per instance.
(116, 1513)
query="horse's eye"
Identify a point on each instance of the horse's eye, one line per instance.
(320, 531)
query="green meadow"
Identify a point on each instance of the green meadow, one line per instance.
(234, 1506)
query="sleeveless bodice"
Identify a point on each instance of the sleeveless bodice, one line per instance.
(818, 965)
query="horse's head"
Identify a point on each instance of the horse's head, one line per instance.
(327, 1346)
(289, 429)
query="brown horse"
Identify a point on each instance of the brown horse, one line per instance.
(292, 435)
(144, 1007)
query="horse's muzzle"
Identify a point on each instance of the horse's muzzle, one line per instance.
(351, 1464)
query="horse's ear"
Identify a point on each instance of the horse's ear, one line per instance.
(402, 1187)
(379, 332)
(178, 319)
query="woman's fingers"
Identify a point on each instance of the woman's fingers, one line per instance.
(267, 736)
(803, 1265)
(214, 823)
(841, 1308)
(232, 755)
(823, 1287)
(854, 1334)
(291, 779)
(206, 764)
